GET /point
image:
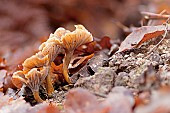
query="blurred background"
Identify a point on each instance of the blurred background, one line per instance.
(24, 24)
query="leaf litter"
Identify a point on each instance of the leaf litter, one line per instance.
(127, 81)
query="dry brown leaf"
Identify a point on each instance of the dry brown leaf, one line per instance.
(49, 109)
(19, 105)
(158, 103)
(8, 105)
(91, 65)
(88, 48)
(120, 100)
(80, 60)
(81, 101)
(105, 42)
(3, 63)
(58, 68)
(140, 35)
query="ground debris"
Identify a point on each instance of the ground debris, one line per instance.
(101, 82)
(135, 79)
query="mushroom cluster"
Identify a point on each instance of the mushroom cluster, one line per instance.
(37, 68)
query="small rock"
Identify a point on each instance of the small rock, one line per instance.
(121, 79)
(101, 82)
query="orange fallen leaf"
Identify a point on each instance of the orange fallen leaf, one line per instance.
(3, 63)
(49, 109)
(140, 35)
(80, 60)
(105, 42)
(82, 101)
(57, 68)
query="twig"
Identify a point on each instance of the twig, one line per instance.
(148, 15)
(150, 22)
(100, 95)
(120, 25)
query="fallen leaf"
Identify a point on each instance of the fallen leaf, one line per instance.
(80, 60)
(9, 105)
(49, 109)
(3, 63)
(140, 35)
(105, 42)
(159, 102)
(82, 101)
(88, 48)
(90, 66)
(143, 98)
(120, 100)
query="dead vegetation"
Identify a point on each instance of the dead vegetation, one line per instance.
(71, 71)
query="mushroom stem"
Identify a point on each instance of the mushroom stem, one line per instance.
(37, 96)
(66, 62)
(50, 88)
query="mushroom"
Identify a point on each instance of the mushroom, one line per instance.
(51, 49)
(70, 41)
(37, 61)
(37, 68)
(33, 79)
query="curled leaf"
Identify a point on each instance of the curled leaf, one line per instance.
(140, 35)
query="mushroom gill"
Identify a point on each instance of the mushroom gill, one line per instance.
(35, 79)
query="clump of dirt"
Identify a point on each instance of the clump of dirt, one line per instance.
(101, 82)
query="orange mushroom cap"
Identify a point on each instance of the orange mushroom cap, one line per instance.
(18, 79)
(35, 62)
(72, 40)
(50, 49)
(55, 38)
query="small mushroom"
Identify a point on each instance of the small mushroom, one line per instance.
(52, 50)
(70, 41)
(35, 62)
(33, 79)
